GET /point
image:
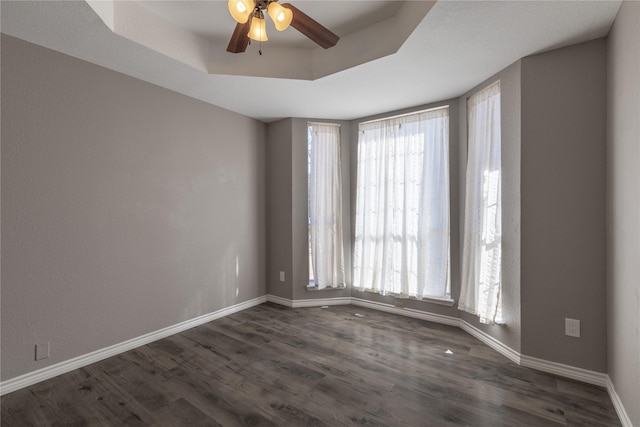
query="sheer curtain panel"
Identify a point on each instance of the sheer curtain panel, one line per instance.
(481, 291)
(402, 206)
(325, 205)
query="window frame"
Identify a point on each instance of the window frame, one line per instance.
(445, 299)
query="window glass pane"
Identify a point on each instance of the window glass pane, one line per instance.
(402, 206)
(481, 289)
(326, 257)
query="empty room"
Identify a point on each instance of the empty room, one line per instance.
(320, 213)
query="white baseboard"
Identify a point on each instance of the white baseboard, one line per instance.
(45, 373)
(625, 420)
(320, 302)
(408, 312)
(279, 300)
(579, 374)
(308, 302)
(498, 346)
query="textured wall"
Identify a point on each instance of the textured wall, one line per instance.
(563, 204)
(126, 208)
(623, 208)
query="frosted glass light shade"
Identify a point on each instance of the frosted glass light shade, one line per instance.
(281, 16)
(258, 29)
(241, 10)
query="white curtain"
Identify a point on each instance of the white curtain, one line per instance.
(325, 205)
(402, 206)
(481, 291)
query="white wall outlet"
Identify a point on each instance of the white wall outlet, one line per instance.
(42, 351)
(282, 276)
(572, 327)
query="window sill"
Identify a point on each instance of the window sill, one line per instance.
(447, 301)
(433, 300)
(312, 287)
(442, 301)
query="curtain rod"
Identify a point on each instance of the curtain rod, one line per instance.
(404, 115)
(323, 123)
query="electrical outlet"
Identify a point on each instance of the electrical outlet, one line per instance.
(572, 327)
(42, 351)
(282, 276)
(398, 303)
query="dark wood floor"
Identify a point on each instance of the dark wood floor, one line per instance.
(343, 365)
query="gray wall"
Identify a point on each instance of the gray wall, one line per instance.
(126, 208)
(563, 204)
(510, 102)
(279, 212)
(287, 209)
(623, 208)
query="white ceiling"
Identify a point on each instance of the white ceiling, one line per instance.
(457, 45)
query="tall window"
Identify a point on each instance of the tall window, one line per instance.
(481, 292)
(326, 257)
(402, 206)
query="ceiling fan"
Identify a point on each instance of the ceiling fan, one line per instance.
(251, 24)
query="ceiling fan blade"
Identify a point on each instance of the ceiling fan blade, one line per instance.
(240, 38)
(311, 28)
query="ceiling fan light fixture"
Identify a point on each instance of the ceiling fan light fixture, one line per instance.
(281, 16)
(258, 29)
(241, 10)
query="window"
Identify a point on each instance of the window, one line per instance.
(326, 256)
(481, 292)
(402, 206)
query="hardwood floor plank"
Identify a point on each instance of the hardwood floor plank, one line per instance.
(339, 366)
(181, 412)
(441, 412)
(223, 379)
